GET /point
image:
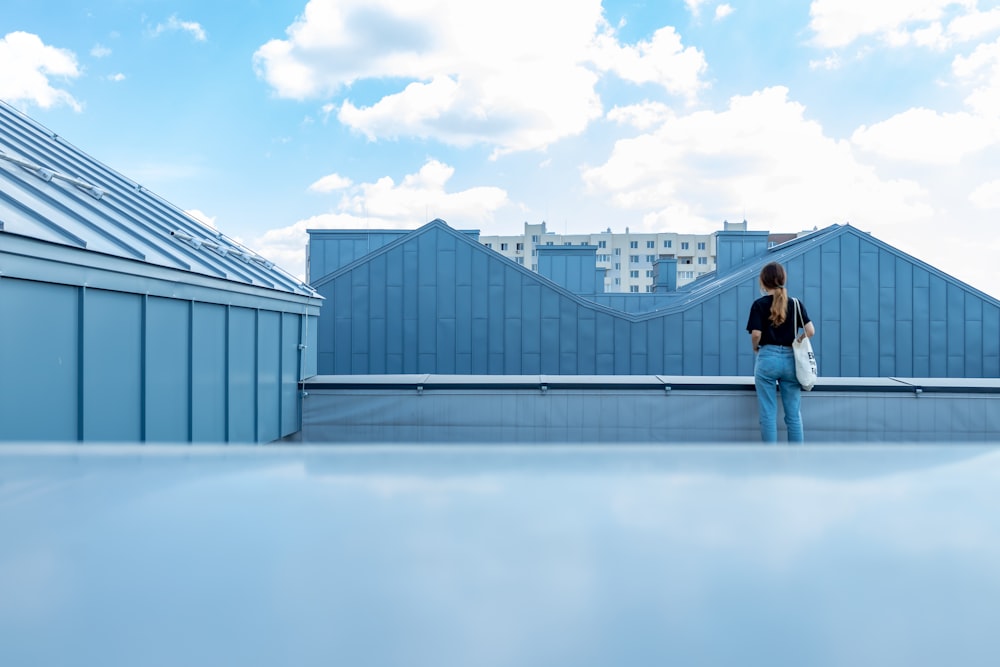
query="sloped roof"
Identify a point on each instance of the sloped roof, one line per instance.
(53, 192)
(711, 283)
(689, 295)
(463, 237)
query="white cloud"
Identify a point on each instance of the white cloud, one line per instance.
(974, 25)
(723, 10)
(694, 6)
(468, 73)
(761, 155)
(987, 195)
(100, 51)
(664, 61)
(837, 23)
(641, 116)
(385, 204)
(175, 24)
(830, 62)
(944, 138)
(116, 77)
(202, 217)
(28, 64)
(981, 69)
(330, 182)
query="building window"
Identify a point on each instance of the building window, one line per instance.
(618, 267)
(520, 260)
(668, 244)
(684, 245)
(650, 258)
(633, 274)
(604, 258)
(519, 247)
(649, 273)
(633, 288)
(649, 288)
(650, 244)
(533, 252)
(634, 259)
(534, 267)
(618, 251)
(633, 244)
(548, 243)
(703, 260)
(568, 243)
(618, 281)
(490, 246)
(602, 244)
(534, 238)
(701, 245)
(503, 246)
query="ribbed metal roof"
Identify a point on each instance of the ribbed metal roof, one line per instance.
(52, 191)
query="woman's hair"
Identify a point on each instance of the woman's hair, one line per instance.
(772, 277)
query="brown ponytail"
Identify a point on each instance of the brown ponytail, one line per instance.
(772, 277)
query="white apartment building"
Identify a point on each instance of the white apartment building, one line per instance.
(628, 258)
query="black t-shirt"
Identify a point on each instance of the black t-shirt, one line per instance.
(760, 319)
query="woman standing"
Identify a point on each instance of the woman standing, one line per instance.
(772, 330)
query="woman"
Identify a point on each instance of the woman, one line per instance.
(772, 330)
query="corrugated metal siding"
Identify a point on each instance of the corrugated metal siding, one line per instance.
(878, 312)
(573, 267)
(97, 365)
(331, 249)
(734, 248)
(40, 358)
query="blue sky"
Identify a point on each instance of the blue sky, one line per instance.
(269, 118)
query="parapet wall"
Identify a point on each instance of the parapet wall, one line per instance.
(539, 409)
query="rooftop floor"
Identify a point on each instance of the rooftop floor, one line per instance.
(499, 555)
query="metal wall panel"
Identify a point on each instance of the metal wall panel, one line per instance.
(168, 370)
(209, 375)
(268, 376)
(991, 340)
(291, 357)
(112, 366)
(242, 370)
(39, 361)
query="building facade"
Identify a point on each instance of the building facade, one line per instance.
(626, 259)
(125, 319)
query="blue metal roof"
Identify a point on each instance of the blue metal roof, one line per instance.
(435, 301)
(53, 192)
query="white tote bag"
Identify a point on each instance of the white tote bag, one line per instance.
(806, 370)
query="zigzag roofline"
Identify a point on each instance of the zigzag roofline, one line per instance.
(685, 299)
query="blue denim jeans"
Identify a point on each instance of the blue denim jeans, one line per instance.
(775, 366)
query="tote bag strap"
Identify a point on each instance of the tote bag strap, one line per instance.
(798, 318)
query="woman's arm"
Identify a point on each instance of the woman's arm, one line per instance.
(808, 330)
(755, 339)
